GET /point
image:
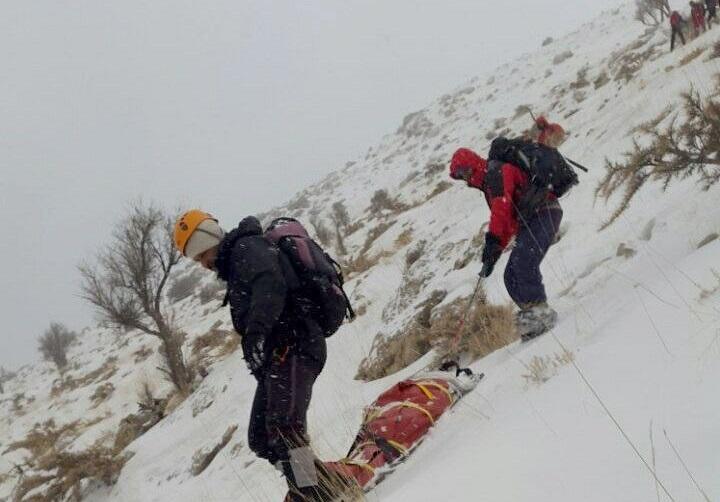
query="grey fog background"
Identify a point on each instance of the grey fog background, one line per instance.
(228, 105)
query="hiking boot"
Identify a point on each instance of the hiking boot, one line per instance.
(535, 320)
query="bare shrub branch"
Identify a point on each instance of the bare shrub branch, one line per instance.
(689, 146)
(127, 282)
(651, 12)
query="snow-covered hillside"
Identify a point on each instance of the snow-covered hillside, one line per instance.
(639, 309)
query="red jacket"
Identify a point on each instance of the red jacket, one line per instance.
(465, 159)
(675, 19)
(502, 185)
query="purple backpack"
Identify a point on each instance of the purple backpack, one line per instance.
(320, 291)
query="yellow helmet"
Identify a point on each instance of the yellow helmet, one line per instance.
(186, 225)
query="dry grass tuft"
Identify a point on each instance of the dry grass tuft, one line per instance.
(104, 372)
(364, 262)
(488, 328)
(601, 80)
(715, 53)
(213, 346)
(691, 56)
(373, 234)
(404, 238)
(142, 354)
(542, 369)
(102, 393)
(53, 473)
(441, 187)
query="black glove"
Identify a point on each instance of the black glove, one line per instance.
(254, 352)
(491, 254)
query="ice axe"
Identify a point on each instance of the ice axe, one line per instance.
(571, 161)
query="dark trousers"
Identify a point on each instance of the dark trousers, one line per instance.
(278, 417)
(523, 279)
(676, 31)
(278, 423)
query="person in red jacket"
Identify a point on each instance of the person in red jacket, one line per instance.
(676, 24)
(697, 11)
(533, 228)
(550, 134)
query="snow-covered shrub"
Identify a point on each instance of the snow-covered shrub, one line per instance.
(5, 376)
(417, 125)
(54, 343)
(20, 402)
(322, 232)
(301, 201)
(142, 354)
(715, 53)
(102, 393)
(381, 201)
(373, 235)
(691, 56)
(69, 383)
(562, 57)
(601, 80)
(184, 285)
(651, 12)
(689, 146)
(581, 78)
(213, 346)
(212, 291)
(203, 458)
(415, 253)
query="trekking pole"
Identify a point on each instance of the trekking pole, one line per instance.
(463, 319)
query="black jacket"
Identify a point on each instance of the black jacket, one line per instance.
(258, 292)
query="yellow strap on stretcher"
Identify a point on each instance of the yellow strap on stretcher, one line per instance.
(423, 386)
(368, 467)
(398, 446)
(408, 404)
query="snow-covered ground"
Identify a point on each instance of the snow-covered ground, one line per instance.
(643, 325)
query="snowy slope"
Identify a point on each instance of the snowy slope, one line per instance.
(644, 327)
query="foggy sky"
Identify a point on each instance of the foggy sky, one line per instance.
(231, 106)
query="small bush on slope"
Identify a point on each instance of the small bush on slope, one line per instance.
(53, 473)
(488, 328)
(54, 343)
(688, 147)
(542, 369)
(213, 346)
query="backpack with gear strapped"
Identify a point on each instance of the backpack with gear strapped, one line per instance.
(319, 292)
(547, 169)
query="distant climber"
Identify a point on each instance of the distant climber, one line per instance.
(711, 8)
(549, 133)
(517, 211)
(697, 12)
(676, 24)
(283, 344)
